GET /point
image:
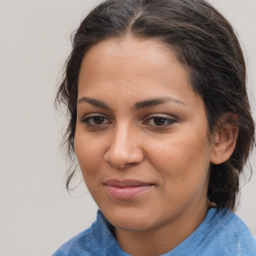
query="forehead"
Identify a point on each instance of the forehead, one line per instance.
(130, 46)
(127, 64)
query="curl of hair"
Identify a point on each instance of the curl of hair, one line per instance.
(205, 44)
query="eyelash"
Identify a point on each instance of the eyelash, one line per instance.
(93, 118)
(165, 121)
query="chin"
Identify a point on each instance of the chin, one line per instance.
(128, 219)
(131, 224)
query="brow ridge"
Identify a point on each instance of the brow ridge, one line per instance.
(157, 101)
(94, 102)
(138, 105)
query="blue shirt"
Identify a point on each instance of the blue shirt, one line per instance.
(222, 233)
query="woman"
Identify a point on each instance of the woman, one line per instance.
(161, 127)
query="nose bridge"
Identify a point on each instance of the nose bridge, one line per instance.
(122, 135)
(124, 147)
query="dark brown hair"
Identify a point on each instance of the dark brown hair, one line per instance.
(204, 42)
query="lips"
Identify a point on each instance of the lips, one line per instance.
(126, 189)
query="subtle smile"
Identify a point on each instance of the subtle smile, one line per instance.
(126, 189)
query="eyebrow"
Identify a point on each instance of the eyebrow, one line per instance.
(157, 101)
(94, 102)
(138, 105)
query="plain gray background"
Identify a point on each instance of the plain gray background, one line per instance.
(36, 213)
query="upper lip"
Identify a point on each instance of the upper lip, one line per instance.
(126, 183)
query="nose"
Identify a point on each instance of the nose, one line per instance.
(124, 149)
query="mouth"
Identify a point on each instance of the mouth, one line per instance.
(126, 189)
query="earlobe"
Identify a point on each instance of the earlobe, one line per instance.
(224, 139)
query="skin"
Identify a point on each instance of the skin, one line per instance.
(165, 144)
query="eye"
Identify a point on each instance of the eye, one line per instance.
(95, 120)
(160, 121)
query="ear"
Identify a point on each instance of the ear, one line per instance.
(224, 138)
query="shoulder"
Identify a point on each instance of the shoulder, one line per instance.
(92, 241)
(231, 236)
(246, 243)
(83, 244)
(222, 233)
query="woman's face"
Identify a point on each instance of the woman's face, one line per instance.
(141, 135)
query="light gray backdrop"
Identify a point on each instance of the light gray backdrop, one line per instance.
(36, 213)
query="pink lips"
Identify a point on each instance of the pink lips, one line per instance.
(126, 189)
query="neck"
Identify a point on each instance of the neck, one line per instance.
(163, 239)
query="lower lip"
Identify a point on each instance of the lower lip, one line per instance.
(127, 193)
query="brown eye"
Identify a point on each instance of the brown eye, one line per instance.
(160, 121)
(98, 120)
(95, 120)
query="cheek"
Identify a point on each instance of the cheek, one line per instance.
(183, 180)
(178, 153)
(87, 152)
(182, 162)
(88, 159)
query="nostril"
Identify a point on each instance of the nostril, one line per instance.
(120, 159)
